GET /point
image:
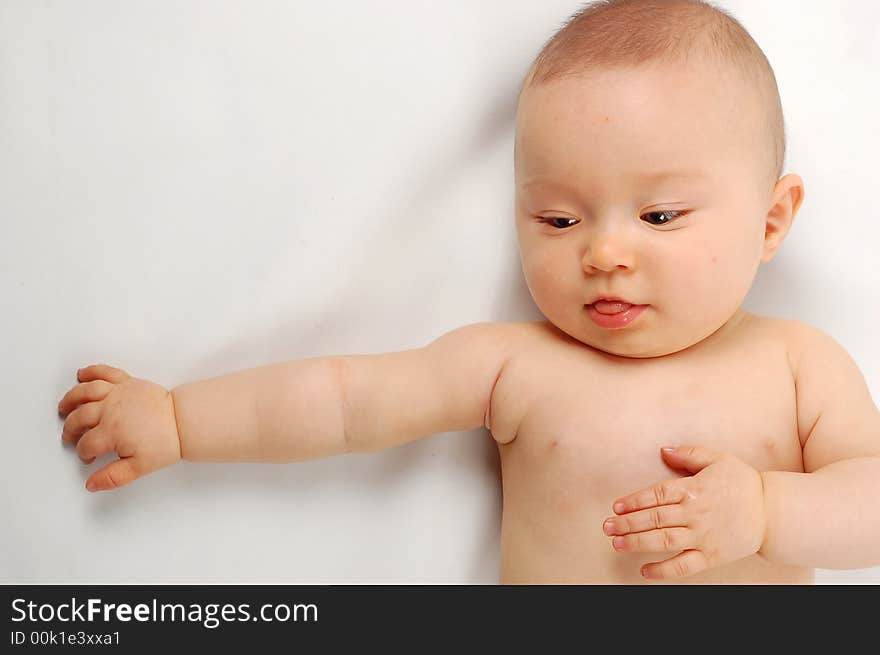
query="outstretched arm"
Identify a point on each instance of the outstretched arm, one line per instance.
(310, 408)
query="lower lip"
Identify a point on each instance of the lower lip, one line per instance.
(616, 321)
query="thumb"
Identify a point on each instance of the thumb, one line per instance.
(690, 458)
(112, 476)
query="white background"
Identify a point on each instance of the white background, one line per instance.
(193, 188)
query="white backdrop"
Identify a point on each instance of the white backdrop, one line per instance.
(193, 188)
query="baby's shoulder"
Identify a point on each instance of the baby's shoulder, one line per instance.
(789, 328)
(771, 325)
(493, 342)
(520, 334)
(800, 334)
(794, 335)
(527, 338)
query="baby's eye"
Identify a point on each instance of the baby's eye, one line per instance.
(552, 221)
(663, 220)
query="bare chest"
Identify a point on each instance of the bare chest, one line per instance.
(593, 426)
(578, 429)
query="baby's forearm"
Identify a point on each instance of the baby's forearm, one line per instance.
(828, 519)
(285, 412)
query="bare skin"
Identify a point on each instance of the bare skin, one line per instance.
(784, 435)
(588, 429)
(577, 429)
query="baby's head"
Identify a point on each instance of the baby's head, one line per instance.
(649, 149)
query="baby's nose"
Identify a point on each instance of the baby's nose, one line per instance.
(608, 253)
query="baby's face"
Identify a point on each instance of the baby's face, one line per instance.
(642, 184)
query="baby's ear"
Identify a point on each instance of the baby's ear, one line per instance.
(788, 194)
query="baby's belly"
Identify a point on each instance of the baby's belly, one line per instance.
(559, 486)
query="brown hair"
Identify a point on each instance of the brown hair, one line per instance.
(633, 32)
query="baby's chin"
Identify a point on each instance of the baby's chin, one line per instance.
(646, 342)
(619, 346)
(633, 352)
(633, 342)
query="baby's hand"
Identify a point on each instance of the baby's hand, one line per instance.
(118, 412)
(715, 516)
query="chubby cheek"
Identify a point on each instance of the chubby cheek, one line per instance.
(712, 282)
(547, 279)
(736, 259)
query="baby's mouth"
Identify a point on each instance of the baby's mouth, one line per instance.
(610, 306)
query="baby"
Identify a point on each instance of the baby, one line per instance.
(650, 429)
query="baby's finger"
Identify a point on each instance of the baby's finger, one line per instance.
(84, 392)
(692, 459)
(113, 476)
(678, 566)
(662, 493)
(665, 540)
(94, 443)
(83, 418)
(665, 516)
(102, 372)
